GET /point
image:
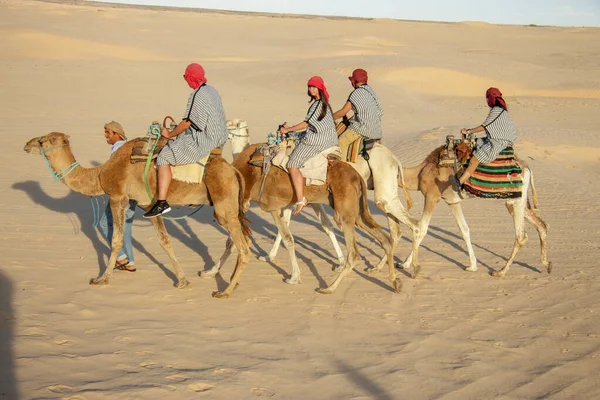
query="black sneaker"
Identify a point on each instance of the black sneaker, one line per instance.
(159, 208)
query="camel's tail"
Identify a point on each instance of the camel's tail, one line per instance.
(533, 191)
(401, 182)
(241, 206)
(365, 214)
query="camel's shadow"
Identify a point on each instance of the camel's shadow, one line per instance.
(78, 204)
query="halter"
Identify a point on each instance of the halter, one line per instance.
(60, 175)
(238, 128)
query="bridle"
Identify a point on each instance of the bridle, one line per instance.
(62, 174)
(234, 129)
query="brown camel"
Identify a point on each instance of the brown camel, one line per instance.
(222, 187)
(434, 182)
(345, 191)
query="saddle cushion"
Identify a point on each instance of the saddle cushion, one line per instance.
(500, 179)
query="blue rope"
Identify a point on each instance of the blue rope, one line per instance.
(62, 174)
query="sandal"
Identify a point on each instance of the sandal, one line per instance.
(123, 266)
(300, 205)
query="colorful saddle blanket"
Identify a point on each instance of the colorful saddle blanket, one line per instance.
(500, 179)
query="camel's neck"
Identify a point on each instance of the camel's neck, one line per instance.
(411, 176)
(81, 180)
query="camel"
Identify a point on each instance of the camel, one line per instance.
(434, 183)
(385, 184)
(222, 187)
(345, 191)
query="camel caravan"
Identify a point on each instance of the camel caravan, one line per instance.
(314, 162)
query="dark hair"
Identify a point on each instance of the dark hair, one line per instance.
(324, 103)
(499, 104)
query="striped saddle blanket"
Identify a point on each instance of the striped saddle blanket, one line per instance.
(500, 179)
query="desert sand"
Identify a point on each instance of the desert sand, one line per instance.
(450, 334)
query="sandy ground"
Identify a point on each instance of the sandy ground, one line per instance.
(449, 335)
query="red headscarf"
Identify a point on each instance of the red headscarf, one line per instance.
(317, 82)
(493, 94)
(359, 75)
(194, 75)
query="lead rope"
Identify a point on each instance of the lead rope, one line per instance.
(154, 129)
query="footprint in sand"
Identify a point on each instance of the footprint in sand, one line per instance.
(123, 339)
(224, 371)
(60, 388)
(177, 378)
(263, 392)
(69, 355)
(200, 387)
(150, 365)
(62, 342)
(76, 397)
(33, 332)
(130, 369)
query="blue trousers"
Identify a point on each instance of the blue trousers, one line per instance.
(106, 227)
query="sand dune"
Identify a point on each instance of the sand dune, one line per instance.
(449, 334)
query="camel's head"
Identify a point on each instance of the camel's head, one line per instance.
(51, 140)
(239, 135)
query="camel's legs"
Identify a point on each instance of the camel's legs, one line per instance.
(395, 235)
(325, 224)
(517, 210)
(287, 216)
(542, 229)
(231, 222)
(165, 241)
(117, 207)
(353, 255)
(288, 240)
(464, 230)
(328, 228)
(421, 232)
(217, 267)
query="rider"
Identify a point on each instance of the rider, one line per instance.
(500, 133)
(115, 136)
(320, 135)
(367, 111)
(202, 128)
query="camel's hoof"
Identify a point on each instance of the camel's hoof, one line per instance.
(265, 258)
(471, 269)
(416, 271)
(206, 274)
(182, 284)
(371, 270)
(293, 281)
(338, 268)
(403, 266)
(220, 295)
(98, 281)
(549, 267)
(498, 274)
(397, 285)
(324, 290)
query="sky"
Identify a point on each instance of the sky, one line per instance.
(519, 12)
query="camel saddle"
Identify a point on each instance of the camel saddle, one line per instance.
(352, 144)
(142, 147)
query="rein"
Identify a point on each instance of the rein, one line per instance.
(62, 174)
(232, 135)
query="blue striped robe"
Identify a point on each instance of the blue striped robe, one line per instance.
(208, 130)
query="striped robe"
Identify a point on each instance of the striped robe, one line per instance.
(208, 130)
(319, 136)
(367, 112)
(500, 134)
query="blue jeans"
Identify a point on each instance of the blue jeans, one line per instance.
(106, 227)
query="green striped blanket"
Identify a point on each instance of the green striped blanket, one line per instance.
(500, 179)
